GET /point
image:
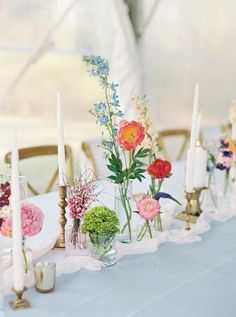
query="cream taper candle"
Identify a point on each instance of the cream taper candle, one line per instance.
(233, 131)
(61, 146)
(199, 121)
(191, 152)
(18, 263)
(200, 167)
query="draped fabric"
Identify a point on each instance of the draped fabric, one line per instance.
(85, 27)
(184, 43)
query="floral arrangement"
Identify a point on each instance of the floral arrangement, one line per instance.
(148, 205)
(81, 195)
(222, 157)
(100, 220)
(32, 218)
(121, 140)
(102, 224)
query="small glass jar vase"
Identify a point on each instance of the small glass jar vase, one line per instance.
(123, 207)
(76, 242)
(102, 248)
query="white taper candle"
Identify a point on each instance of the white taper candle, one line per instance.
(61, 147)
(18, 263)
(199, 121)
(200, 168)
(191, 152)
(233, 131)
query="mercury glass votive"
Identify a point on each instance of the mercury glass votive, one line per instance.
(45, 276)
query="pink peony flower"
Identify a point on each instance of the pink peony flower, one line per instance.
(148, 208)
(130, 134)
(138, 197)
(32, 221)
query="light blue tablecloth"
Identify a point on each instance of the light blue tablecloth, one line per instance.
(194, 280)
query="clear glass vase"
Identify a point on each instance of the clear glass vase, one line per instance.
(208, 197)
(76, 242)
(102, 248)
(147, 229)
(123, 207)
(28, 259)
(209, 200)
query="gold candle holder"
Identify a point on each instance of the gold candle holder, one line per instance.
(60, 243)
(189, 197)
(196, 208)
(19, 302)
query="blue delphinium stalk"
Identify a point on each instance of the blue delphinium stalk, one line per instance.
(107, 111)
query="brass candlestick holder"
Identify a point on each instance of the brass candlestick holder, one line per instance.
(195, 210)
(189, 197)
(19, 302)
(60, 243)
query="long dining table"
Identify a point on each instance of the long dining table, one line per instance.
(179, 280)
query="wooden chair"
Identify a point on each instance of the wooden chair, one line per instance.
(89, 155)
(174, 133)
(40, 151)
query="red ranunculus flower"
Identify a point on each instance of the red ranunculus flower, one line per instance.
(130, 134)
(159, 168)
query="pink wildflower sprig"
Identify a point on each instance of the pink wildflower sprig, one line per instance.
(81, 195)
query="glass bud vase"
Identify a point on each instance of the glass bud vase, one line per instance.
(147, 229)
(102, 248)
(123, 200)
(76, 242)
(208, 197)
(28, 259)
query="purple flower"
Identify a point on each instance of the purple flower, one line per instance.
(160, 195)
(227, 153)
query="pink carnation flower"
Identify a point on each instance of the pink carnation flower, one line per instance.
(32, 221)
(148, 208)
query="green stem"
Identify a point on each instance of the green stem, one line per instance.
(126, 211)
(149, 228)
(25, 259)
(160, 181)
(144, 232)
(159, 223)
(141, 232)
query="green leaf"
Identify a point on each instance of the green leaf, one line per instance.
(112, 177)
(139, 178)
(138, 162)
(140, 171)
(112, 168)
